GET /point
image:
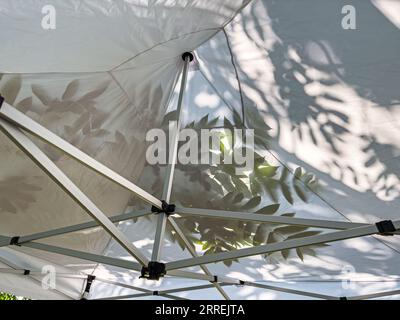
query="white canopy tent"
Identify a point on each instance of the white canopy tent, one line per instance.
(78, 196)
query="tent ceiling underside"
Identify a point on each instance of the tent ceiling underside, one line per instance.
(73, 142)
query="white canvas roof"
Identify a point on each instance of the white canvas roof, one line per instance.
(111, 70)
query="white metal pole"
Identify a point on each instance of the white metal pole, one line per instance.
(126, 264)
(232, 215)
(288, 244)
(167, 188)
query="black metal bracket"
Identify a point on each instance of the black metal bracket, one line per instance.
(188, 54)
(89, 282)
(385, 227)
(1, 101)
(166, 208)
(14, 241)
(154, 271)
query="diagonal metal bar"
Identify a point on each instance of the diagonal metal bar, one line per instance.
(163, 293)
(193, 252)
(123, 285)
(169, 176)
(4, 241)
(51, 169)
(201, 276)
(221, 214)
(79, 227)
(375, 295)
(170, 296)
(84, 256)
(120, 262)
(13, 115)
(288, 244)
(128, 296)
(291, 291)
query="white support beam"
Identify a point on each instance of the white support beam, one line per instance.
(283, 245)
(291, 291)
(200, 276)
(193, 252)
(13, 115)
(162, 293)
(27, 272)
(169, 176)
(232, 215)
(159, 236)
(126, 264)
(375, 295)
(128, 296)
(51, 169)
(4, 241)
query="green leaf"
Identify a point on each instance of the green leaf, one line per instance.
(238, 198)
(285, 253)
(302, 195)
(241, 186)
(298, 173)
(261, 234)
(284, 174)
(271, 209)
(300, 253)
(289, 214)
(225, 181)
(255, 186)
(252, 203)
(228, 124)
(267, 171)
(170, 116)
(286, 192)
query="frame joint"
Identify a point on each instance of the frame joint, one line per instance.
(166, 208)
(385, 227)
(153, 271)
(14, 241)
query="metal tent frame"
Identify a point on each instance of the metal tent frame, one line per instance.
(14, 124)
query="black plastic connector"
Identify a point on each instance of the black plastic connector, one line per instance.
(385, 227)
(14, 241)
(154, 271)
(166, 208)
(1, 101)
(89, 282)
(188, 54)
(27, 272)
